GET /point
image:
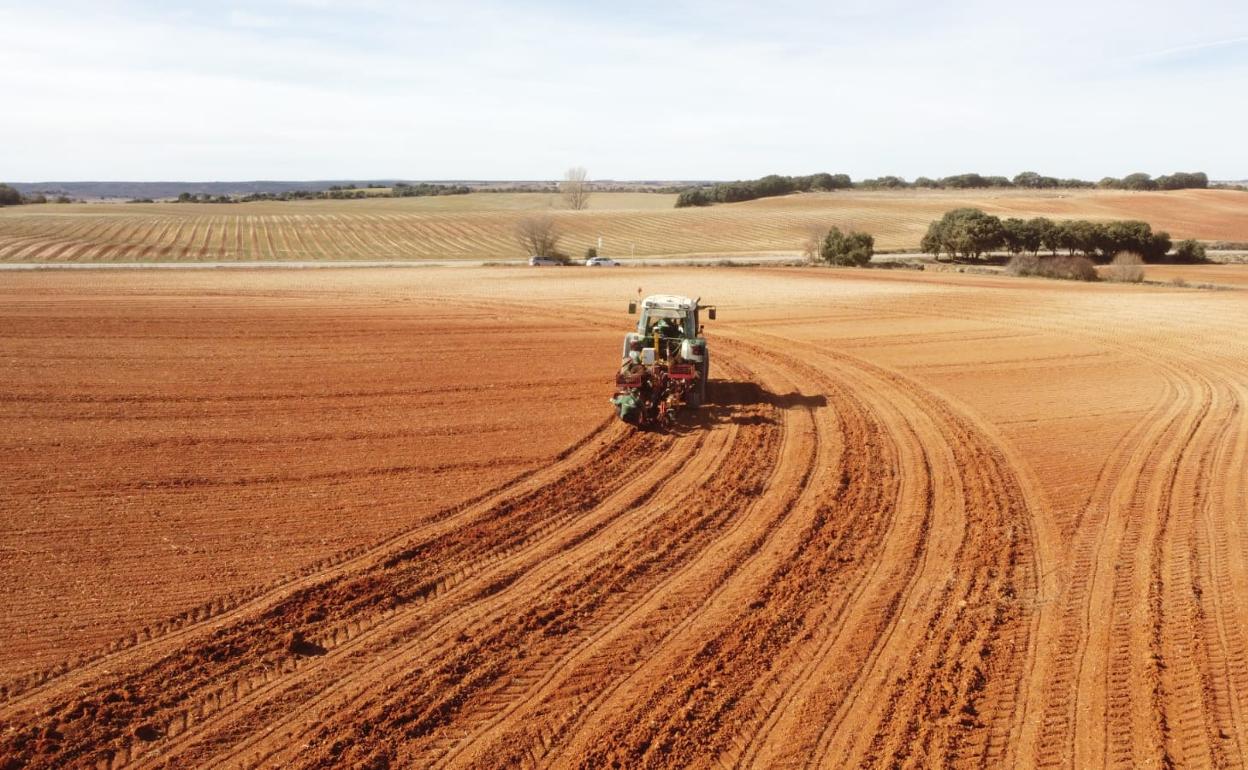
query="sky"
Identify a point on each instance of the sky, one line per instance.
(646, 89)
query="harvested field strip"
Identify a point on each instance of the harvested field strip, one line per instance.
(380, 229)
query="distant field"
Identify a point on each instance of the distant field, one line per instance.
(480, 226)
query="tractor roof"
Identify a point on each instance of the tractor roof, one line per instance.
(669, 302)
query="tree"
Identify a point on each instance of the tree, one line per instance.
(1135, 237)
(575, 189)
(1032, 180)
(822, 181)
(933, 241)
(848, 249)
(773, 185)
(538, 235)
(812, 246)
(1076, 235)
(9, 196)
(884, 183)
(694, 196)
(1190, 251)
(1183, 180)
(964, 181)
(969, 232)
(1016, 233)
(1138, 181)
(1046, 233)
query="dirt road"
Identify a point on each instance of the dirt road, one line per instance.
(929, 520)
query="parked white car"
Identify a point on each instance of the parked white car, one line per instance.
(601, 262)
(543, 261)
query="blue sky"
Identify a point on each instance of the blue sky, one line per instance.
(316, 89)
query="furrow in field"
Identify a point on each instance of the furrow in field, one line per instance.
(34, 694)
(417, 712)
(964, 595)
(391, 639)
(532, 721)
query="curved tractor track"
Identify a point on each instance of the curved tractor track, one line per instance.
(828, 566)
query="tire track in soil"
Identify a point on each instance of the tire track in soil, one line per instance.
(1124, 504)
(408, 719)
(656, 733)
(70, 708)
(429, 618)
(688, 697)
(987, 635)
(211, 701)
(1084, 696)
(30, 693)
(532, 725)
(1227, 579)
(1185, 638)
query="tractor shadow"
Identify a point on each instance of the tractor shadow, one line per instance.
(736, 402)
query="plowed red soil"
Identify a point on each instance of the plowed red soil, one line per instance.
(383, 518)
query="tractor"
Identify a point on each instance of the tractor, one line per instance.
(665, 361)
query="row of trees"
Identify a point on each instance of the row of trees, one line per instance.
(970, 232)
(766, 187)
(423, 189)
(774, 184)
(336, 192)
(9, 196)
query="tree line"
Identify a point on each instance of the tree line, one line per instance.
(972, 233)
(775, 184)
(9, 196)
(335, 192)
(765, 187)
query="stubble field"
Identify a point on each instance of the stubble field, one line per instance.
(481, 226)
(383, 518)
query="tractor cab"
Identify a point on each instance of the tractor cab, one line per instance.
(679, 315)
(669, 324)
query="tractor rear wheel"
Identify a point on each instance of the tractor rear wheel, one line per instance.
(704, 371)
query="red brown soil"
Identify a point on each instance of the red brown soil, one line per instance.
(382, 519)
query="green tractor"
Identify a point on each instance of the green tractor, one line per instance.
(665, 361)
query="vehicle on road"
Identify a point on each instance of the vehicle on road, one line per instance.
(536, 261)
(601, 262)
(665, 363)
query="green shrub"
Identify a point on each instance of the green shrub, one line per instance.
(1190, 251)
(692, 197)
(852, 249)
